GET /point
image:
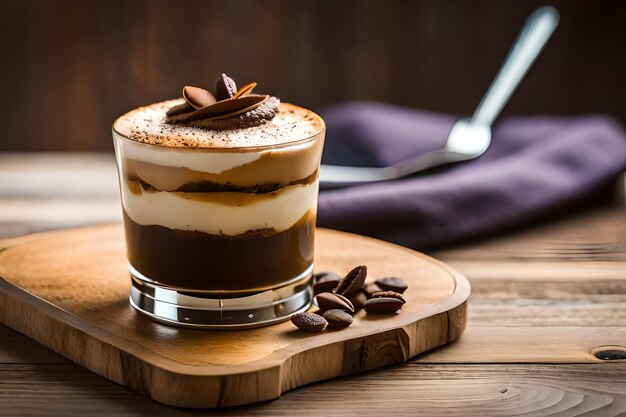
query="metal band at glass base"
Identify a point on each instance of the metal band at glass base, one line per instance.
(180, 308)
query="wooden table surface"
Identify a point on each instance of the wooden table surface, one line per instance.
(544, 300)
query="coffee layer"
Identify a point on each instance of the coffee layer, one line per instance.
(255, 259)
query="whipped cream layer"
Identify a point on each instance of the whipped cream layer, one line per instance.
(228, 214)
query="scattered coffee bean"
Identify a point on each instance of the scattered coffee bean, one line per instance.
(337, 319)
(226, 88)
(358, 300)
(309, 322)
(347, 301)
(329, 301)
(371, 288)
(325, 282)
(339, 298)
(352, 282)
(392, 284)
(389, 294)
(383, 305)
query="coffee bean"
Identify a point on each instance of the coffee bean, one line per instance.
(392, 284)
(383, 305)
(352, 282)
(358, 300)
(325, 282)
(389, 294)
(370, 288)
(309, 322)
(337, 319)
(350, 308)
(226, 88)
(328, 301)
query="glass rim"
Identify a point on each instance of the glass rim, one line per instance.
(281, 145)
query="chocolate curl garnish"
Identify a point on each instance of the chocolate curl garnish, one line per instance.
(229, 102)
(222, 109)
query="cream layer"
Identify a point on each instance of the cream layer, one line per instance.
(188, 211)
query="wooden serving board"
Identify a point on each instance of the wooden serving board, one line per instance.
(69, 291)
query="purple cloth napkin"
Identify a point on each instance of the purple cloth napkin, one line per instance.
(535, 166)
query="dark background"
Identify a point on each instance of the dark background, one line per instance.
(69, 67)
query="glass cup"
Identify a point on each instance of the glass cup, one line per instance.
(220, 237)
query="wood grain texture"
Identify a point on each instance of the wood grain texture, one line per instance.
(408, 390)
(16, 348)
(597, 235)
(69, 290)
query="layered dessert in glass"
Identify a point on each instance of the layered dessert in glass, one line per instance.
(219, 195)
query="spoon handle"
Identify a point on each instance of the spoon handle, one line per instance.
(536, 31)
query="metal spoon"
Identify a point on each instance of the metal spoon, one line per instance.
(469, 138)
